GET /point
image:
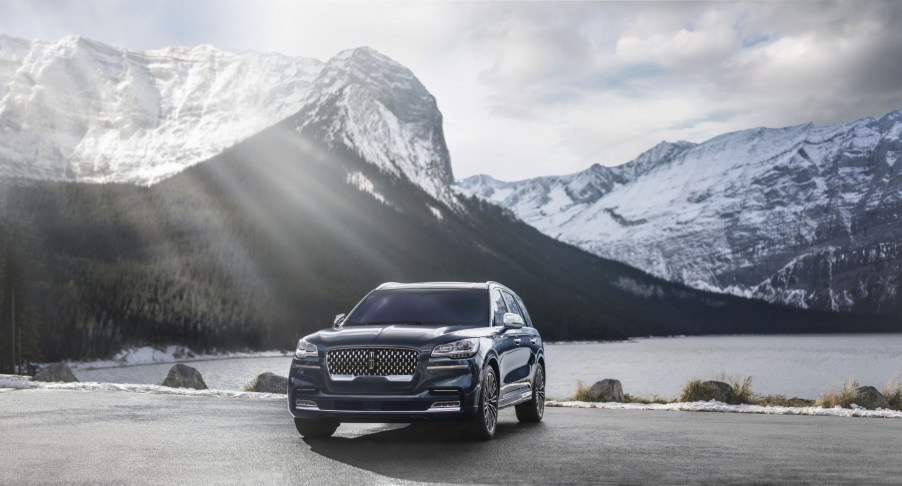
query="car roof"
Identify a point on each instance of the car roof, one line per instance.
(438, 285)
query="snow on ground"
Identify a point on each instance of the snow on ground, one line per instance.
(23, 383)
(715, 406)
(16, 382)
(168, 354)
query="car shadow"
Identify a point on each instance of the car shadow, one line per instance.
(434, 452)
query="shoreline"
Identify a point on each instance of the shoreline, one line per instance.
(171, 354)
(11, 383)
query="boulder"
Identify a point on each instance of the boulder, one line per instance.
(607, 390)
(270, 383)
(181, 376)
(55, 372)
(717, 390)
(869, 397)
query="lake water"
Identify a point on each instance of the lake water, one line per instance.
(802, 366)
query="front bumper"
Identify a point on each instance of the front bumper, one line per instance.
(439, 392)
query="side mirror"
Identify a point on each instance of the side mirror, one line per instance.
(339, 320)
(513, 321)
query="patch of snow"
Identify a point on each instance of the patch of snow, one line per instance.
(642, 290)
(358, 180)
(436, 212)
(16, 382)
(893, 156)
(715, 406)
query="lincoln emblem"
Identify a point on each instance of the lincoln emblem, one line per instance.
(371, 364)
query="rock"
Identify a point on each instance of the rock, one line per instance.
(270, 383)
(55, 372)
(607, 390)
(869, 397)
(717, 390)
(181, 376)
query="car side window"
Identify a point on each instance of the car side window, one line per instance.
(512, 304)
(524, 312)
(499, 308)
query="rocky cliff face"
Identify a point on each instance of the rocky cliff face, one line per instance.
(378, 109)
(81, 110)
(807, 215)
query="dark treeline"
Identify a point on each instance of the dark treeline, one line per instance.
(268, 241)
(20, 285)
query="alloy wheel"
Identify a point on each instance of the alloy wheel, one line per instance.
(490, 402)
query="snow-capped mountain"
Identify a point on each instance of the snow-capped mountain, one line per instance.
(81, 110)
(377, 108)
(808, 215)
(77, 109)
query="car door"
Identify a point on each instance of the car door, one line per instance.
(532, 335)
(518, 365)
(504, 341)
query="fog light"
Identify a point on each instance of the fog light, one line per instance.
(305, 404)
(445, 405)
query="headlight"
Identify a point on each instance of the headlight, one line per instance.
(457, 349)
(305, 350)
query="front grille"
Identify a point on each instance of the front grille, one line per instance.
(351, 362)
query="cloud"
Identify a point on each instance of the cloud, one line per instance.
(692, 71)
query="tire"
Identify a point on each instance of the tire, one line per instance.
(485, 422)
(316, 429)
(533, 410)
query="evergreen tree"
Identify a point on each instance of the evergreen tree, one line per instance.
(17, 282)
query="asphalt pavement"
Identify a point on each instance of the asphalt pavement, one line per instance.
(64, 436)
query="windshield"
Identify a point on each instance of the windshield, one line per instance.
(465, 307)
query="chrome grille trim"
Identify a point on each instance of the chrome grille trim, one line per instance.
(394, 364)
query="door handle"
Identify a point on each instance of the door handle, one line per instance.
(517, 341)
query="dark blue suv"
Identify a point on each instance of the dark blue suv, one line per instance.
(440, 351)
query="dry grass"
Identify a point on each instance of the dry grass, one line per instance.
(627, 398)
(844, 397)
(782, 401)
(582, 392)
(893, 393)
(582, 395)
(695, 391)
(251, 385)
(742, 390)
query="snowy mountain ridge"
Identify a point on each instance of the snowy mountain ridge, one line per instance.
(806, 215)
(80, 110)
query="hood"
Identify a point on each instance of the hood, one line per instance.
(395, 335)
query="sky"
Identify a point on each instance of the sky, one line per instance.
(534, 88)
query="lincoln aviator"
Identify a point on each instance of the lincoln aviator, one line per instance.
(439, 351)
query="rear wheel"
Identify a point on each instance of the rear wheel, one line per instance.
(533, 410)
(316, 428)
(485, 421)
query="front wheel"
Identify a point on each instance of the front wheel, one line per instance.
(533, 410)
(316, 428)
(485, 421)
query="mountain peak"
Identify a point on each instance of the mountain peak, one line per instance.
(662, 153)
(893, 116)
(364, 53)
(374, 105)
